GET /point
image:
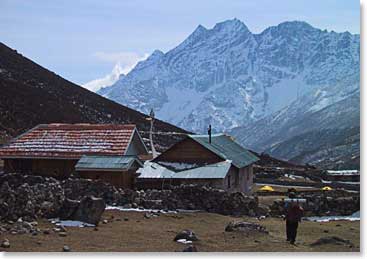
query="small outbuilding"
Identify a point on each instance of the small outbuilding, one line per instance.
(120, 171)
(213, 160)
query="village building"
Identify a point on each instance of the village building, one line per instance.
(213, 160)
(97, 151)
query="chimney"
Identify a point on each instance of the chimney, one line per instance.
(210, 133)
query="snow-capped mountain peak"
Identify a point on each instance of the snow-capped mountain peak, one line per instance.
(229, 77)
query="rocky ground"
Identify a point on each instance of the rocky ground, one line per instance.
(134, 231)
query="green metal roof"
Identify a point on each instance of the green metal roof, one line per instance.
(225, 147)
(106, 162)
(212, 171)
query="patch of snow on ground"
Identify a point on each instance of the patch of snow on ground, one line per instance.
(71, 223)
(343, 172)
(354, 217)
(120, 208)
(184, 241)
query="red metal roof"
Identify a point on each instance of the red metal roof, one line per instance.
(70, 141)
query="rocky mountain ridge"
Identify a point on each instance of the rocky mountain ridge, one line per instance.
(253, 85)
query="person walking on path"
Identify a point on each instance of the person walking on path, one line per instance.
(293, 216)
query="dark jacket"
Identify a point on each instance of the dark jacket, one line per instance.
(294, 213)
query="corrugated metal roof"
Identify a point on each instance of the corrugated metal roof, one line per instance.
(106, 162)
(225, 147)
(70, 141)
(212, 171)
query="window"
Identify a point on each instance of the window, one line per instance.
(248, 175)
(229, 181)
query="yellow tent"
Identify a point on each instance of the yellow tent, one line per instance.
(267, 188)
(326, 188)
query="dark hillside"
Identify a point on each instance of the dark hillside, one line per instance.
(31, 94)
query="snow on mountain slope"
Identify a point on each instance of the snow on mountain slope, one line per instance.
(230, 77)
(309, 130)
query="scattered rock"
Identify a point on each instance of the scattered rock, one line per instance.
(105, 221)
(186, 234)
(56, 229)
(263, 210)
(326, 231)
(246, 227)
(126, 219)
(190, 248)
(147, 215)
(66, 249)
(46, 231)
(62, 228)
(5, 243)
(332, 240)
(63, 234)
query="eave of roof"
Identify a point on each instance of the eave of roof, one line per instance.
(70, 141)
(117, 163)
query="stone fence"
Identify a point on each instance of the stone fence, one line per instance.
(327, 203)
(32, 197)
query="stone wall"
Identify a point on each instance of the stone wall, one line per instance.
(34, 196)
(29, 197)
(327, 203)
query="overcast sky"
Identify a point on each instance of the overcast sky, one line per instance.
(83, 40)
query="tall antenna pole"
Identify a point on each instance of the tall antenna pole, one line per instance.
(210, 133)
(151, 118)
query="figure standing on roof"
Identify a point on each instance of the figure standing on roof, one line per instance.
(293, 217)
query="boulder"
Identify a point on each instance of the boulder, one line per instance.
(68, 209)
(332, 240)
(190, 248)
(5, 243)
(90, 210)
(187, 234)
(66, 249)
(262, 210)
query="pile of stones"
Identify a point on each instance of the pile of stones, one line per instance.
(29, 197)
(245, 227)
(77, 188)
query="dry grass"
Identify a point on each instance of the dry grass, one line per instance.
(156, 234)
